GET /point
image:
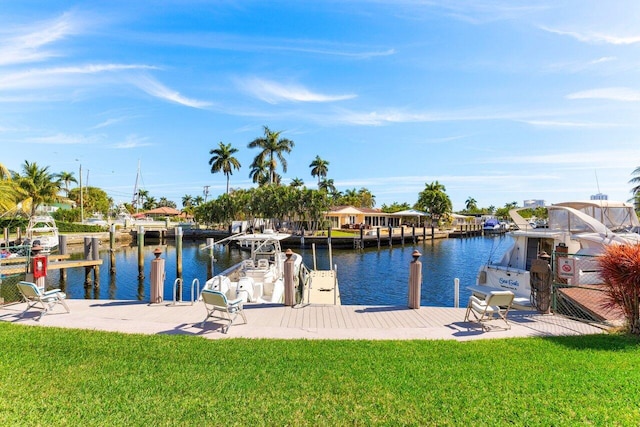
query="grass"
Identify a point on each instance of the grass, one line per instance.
(73, 377)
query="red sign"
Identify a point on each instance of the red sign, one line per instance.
(566, 267)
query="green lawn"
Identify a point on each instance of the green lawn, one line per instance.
(53, 376)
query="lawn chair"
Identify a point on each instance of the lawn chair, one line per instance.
(33, 296)
(229, 310)
(495, 303)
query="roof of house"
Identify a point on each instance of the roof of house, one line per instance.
(164, 210)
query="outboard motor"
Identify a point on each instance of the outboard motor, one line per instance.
(221, 283)
(245, 289)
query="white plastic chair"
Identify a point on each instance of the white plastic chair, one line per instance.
(495, 303)
(229, 309)
(33, 296)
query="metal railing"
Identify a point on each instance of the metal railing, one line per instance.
(195, 291)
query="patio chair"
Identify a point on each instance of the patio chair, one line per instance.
(44, 301)
(229, 310)
(495, 305)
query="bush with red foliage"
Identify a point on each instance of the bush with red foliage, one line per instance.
(621, 273)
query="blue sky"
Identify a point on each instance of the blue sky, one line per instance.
(500, 101)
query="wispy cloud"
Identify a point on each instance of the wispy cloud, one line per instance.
(567, 124)
(63, 139)
(27, 43)
(595, 37)
(110, 122)
(154, 88)
(273, 92)
(610, 158)
(60, 76)
(610, 93)
(132, 141)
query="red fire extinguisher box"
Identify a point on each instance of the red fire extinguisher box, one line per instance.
(39, 266)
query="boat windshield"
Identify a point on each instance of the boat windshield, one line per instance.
(565, 220)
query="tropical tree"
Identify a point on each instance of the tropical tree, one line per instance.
(273, 148)
(166, 202)
(327, 186)
(319, 167)
(222, 159)
(66, 178)
(93, 200)
(187, 201)
(38, 183)
(297, 182)
(259, 172)
(395, 207)
(4, 172)
(198, 200)
(366, 198)
(150, 203)
(435, 201)
(636, 187)
(471, 204)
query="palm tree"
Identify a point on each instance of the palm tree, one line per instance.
(367, 199)
(4, 172)
(319, 168)
(636, 187)
(187, 201)
(66, 178)
(259, 173)
(297, 182)
(471, 204)
(198, 200)
(273, 147)
(37, 183)
(327, 186)
(223, 160)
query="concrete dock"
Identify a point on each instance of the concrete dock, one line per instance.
(300, 322)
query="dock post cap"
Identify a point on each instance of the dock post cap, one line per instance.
(416, 254)
(157, 252)
(288, 253)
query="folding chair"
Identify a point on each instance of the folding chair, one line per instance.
(33, 296)
(495, 303)
(229, 310)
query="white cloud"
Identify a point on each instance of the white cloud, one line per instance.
(273, 92)
(62, 139)
(567, 124)
(60, 76)
(611, 93)
(28, 43)
(132, 141)
(596, 37)
(157, 89)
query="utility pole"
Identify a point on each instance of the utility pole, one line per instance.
(206, 192)
(81, 201)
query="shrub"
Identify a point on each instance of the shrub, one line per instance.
(621, 273)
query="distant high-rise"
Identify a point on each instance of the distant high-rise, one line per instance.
(599, 196)
(534, 203)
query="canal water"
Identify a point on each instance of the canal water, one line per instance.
(368, 277)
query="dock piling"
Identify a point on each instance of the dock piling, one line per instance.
(415, 280)
(112, 249)
(141, 252)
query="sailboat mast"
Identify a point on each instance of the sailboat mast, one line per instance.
(136, 194)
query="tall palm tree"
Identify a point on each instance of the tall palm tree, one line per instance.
(471, 204)
(367, 199)
(37, 183)
(187, 201)
(66, 178)
(327, 186)
(273, 149)
(319, 167)
(222, 159)
(4, 172)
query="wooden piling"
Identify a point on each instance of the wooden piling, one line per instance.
(112, 249)
(413, 233)
(62, 250)
(402, 235)
(95, 248)
(390, 236)
(210, 243)
(289, 280)
(6, 237)
(378, 236)
(141, 252)
(329, 236)
(415, 280)
(18, 236)
(179, 252)
(361, 237)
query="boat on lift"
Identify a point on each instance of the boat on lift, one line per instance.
(42, 231)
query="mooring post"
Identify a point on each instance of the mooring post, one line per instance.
(96, 276)
(390, 235)
(378, 236)
(157, 278)
(361, 237)
(329, 236)
(140, 252)
(95, 248)
(18, 236)
(210, 243)
(179, 253)
(87, 247)
(413, 233)
(62, 250)
(112, 249)
(456, 292)
(6, 237)
(415, 280)
(402, 235)
(289, 280)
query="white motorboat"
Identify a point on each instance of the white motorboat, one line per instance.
(260, 278)
(581, 230)
(42, 231)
